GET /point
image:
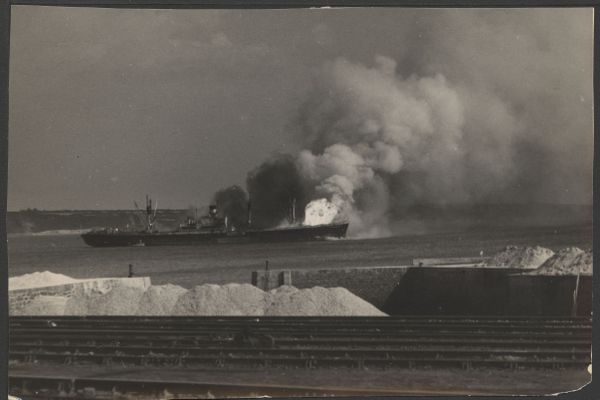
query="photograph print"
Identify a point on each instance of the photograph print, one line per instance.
(211, 203)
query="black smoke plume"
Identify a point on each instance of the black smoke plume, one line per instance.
(232, 203)
(272, 187)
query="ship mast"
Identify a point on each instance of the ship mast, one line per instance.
(249, 213)
(150, 215)
(139, 217)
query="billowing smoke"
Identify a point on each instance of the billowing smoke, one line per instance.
(481, 108)
(376, 141)
(364, 125)
(273, 187)
(499, 118)
(232, 202)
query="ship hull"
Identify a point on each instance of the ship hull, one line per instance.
(288, 234)
(102, 239)
(303, 233)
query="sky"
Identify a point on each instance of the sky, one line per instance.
(109, 105)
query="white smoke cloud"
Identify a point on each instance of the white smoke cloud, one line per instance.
(366, 124)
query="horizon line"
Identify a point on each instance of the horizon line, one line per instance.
(35, 209)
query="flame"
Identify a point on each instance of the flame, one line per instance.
(320, 212)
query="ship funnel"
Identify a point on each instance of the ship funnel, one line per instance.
(148, 205)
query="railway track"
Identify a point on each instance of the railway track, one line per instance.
(39, 345)
(307, 342)
(66, 387)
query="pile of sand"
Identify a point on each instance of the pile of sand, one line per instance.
(562, 263)
(521, 257)
(160, 300)
(38, 279)
(230, 299)
(288, 300)
(584, 263)
(236, 299)
(120, 300)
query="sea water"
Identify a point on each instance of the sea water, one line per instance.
(188, 266)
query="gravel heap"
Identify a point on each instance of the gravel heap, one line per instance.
(521, 257)
(230, 299)
(120, 300)
(245, 299)
(583, 263)
(563, 263)
(38, 279)
(288, 300)
(160, 300)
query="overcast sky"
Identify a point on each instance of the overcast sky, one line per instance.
(108, 105)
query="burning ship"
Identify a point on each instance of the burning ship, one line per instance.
(211, 229)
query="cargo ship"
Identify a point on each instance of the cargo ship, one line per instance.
(210, 229)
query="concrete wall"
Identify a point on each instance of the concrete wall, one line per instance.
(19, 298)
(373, 284)
(418, 262)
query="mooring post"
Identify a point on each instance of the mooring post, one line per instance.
(130, 275)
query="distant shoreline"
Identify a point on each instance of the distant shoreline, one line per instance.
(415, 206)
(410, 220)
(55, 232)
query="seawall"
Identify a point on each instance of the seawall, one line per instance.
(373, 284)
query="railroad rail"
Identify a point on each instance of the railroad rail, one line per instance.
(66, 387)
(308, 342)
(175, 343)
